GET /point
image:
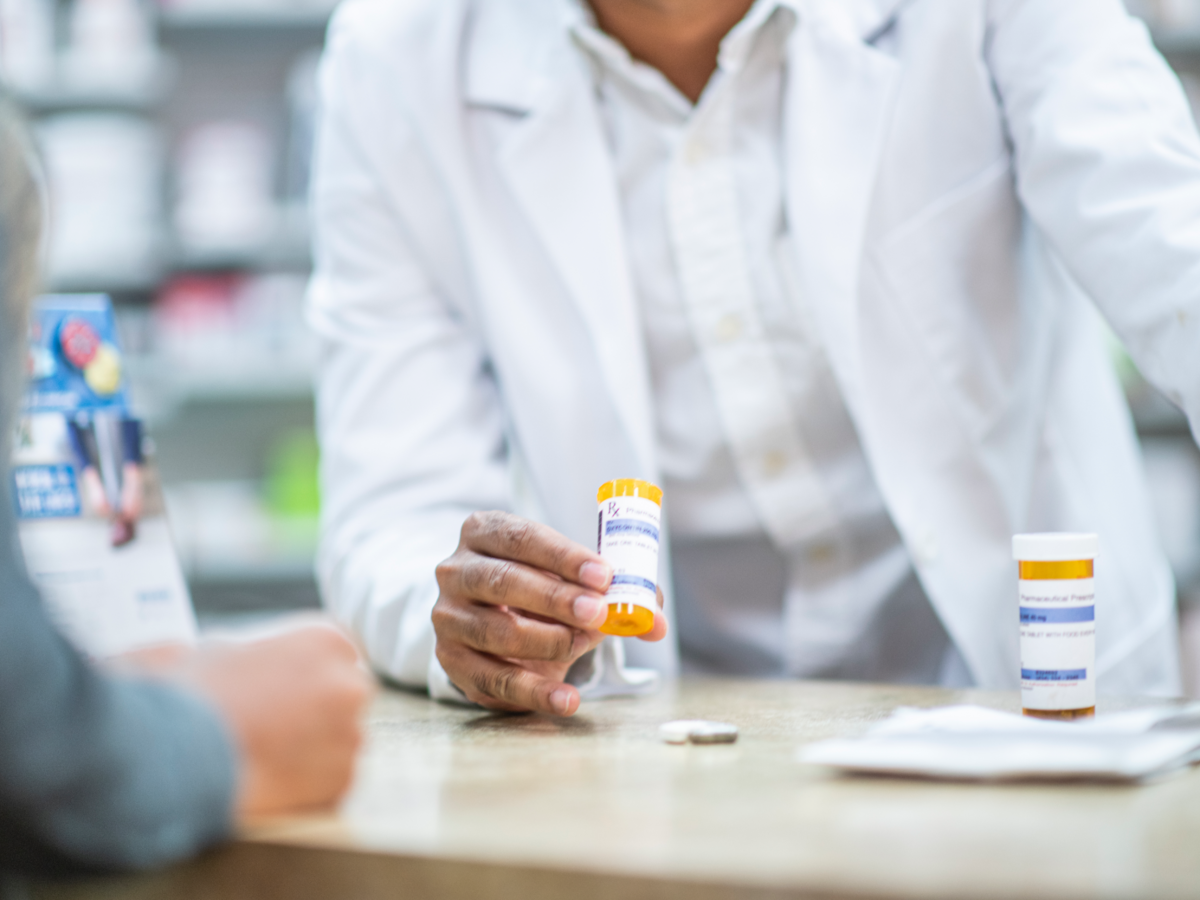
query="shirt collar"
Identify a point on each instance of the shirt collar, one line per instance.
(735, 47)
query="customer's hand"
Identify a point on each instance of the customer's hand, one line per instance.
(519, 604)
(292, 704)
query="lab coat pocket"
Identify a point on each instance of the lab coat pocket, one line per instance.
(953, 270)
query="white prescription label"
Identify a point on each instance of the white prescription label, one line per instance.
(1058, 644)
(627, 537)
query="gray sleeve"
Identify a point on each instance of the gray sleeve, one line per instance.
(97, 772)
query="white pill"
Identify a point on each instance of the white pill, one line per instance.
(698, 731)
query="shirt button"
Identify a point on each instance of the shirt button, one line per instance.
(773, 463)
(821, 553)
(697, 151)
(729, 328)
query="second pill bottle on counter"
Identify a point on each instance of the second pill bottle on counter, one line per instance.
(628, 532)
(1058, 624)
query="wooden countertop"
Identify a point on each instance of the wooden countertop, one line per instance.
(457, 803)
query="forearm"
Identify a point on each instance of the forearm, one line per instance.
(98, 772)
(149, 785)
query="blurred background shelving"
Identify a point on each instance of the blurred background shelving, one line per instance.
(177, 137)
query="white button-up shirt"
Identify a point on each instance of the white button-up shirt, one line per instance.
(785, 558)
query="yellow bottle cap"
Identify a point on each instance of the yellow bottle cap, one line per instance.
(629, 487)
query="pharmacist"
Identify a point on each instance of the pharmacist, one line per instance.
(829, 271)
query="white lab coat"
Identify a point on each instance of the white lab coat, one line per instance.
(961, 176)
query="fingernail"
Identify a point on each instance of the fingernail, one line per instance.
(595, 575)
(560, 701)
(589, 611)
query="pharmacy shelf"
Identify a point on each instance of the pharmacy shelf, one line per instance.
(69, 98)
(272, 256)
(287, 250)
(125, 281)
(241, 571)
(226, 535)
(1179, 42)
(221, 17)
(64, 94)
(162, 385)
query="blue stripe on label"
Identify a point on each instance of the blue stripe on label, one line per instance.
(1053, 674)
(630, 526)
(1057, 614)
(636, 580)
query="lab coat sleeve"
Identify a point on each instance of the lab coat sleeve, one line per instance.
(1108, 167)
(411, 430)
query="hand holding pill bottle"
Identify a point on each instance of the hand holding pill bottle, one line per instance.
(628, 531)
(1058, 624)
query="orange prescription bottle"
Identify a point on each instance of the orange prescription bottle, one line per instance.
(1058, 624)
(627, 536)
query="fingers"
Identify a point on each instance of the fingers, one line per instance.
(503, 632)
(501, 582)
(498, 684)
(324, 639)
(295, 702)
(519, 603)
(509, 537)
(659, 631)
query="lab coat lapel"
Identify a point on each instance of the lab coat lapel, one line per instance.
(558, 168)
(840, 93)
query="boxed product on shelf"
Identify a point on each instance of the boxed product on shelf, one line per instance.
(81, 53)
(224, 175)
(91, 520)
(103, 171)
(27, 43)
(111, 43)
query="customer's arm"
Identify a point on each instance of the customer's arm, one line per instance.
(93, 771)
(109, 772)
(97, 772)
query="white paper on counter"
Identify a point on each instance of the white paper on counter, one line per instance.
(974, 743)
